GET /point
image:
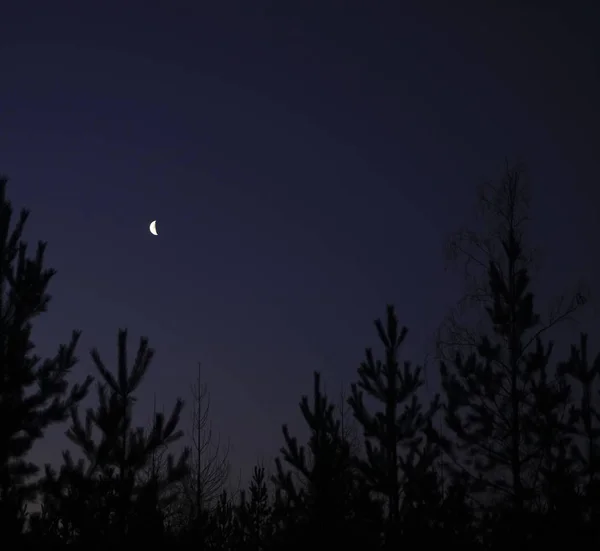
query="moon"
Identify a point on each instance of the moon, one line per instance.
(153, 228)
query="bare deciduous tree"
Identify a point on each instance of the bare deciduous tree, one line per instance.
(502, 208)
(209, 460)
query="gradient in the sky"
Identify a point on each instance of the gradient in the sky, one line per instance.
(305, 165)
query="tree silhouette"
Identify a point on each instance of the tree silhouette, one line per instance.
(585, 416)
(223, 529)
(524, 459)
(584, 424)
(202, 487)
(504, 208)
(321, 500)
(434, 515)
(254, 513)
(34, 393)
(103, 497)
(399, 438)
(504, 406)
(349, 426)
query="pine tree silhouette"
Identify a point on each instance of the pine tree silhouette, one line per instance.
(103, 498)
(254, 513)
(582, 487)
(321, 500)
(34, 393)
(223, 527)
(399, 438)
(585, 416)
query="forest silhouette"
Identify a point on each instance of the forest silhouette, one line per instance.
(506, 455)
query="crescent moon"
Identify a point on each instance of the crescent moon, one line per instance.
(153, 228)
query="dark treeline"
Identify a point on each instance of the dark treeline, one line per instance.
(506, 456)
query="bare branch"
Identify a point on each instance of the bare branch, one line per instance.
(209, 461)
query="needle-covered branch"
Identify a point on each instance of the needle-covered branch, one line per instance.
(34, 393)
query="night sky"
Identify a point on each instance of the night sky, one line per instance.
(305, 162)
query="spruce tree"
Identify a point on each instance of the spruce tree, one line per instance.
(103, 497)
(504, 404)
(321, 499)
(34, 393)
(399, 438)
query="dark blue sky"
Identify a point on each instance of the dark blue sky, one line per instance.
(305, 162)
